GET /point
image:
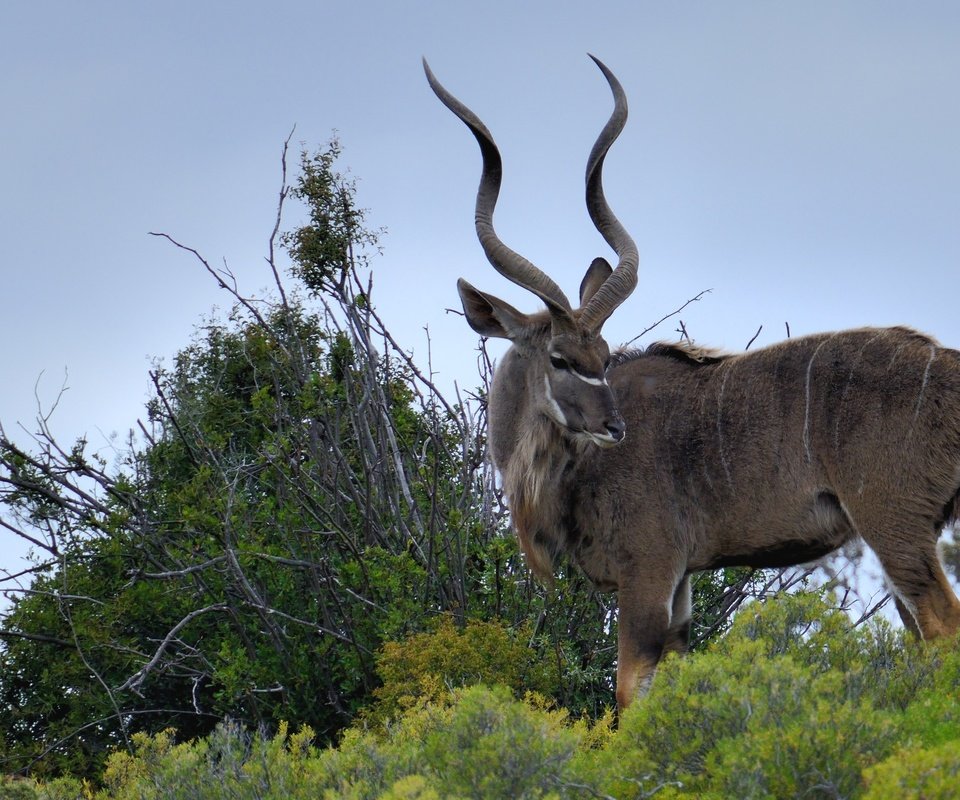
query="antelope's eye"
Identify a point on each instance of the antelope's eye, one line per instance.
(558, 362)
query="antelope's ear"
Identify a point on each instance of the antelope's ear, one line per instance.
(489, 315)
(596, 276)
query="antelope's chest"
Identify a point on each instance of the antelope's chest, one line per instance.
(587, 539)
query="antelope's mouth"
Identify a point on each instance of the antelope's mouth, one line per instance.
(603, 439)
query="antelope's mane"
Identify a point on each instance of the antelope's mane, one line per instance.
(685, 352)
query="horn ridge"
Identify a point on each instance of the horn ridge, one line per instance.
(622, 282)
(507, 262)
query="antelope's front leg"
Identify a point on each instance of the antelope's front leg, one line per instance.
(646, 609)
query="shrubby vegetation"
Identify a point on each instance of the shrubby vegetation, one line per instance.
(297, 581)
(793, 702)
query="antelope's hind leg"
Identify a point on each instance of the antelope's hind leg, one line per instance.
(906, 616)
(919, 584)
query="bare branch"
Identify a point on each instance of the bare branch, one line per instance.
(80, 650)
(271, 245)
(180, 573)
(36, 637)
(247, 303)
(665, 317)
(135, 681)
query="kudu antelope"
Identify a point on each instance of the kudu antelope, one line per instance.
(646, 466)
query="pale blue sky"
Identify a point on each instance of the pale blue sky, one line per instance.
(799, 159)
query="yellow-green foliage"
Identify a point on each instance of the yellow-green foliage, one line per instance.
(933, 716)
(412, 787)
(740, 725)
(59, 789)
(12, 789)
(917, 774)
(427, 666)
(482, 744)
(227, 764)
(793, 702)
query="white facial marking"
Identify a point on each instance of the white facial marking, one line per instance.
(584, 378)
(555, 411)
(591, 381)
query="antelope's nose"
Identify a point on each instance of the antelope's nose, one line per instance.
(616, 428)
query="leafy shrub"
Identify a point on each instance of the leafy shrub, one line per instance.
(875, 660)
(64, 789)
(917, 774)
(13, 789)
(227, 764)
(482, 744)
(793, 702)
(427, 666)
(59, 789)
(412, 787)
(490, 745)
(783, 706)
(933, 718)
(742, 725)
(819, 751)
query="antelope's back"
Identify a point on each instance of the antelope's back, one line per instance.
(868, 417)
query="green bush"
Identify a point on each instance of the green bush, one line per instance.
(489, 745)
(427, 666)
(65, 789)
(59, 789)
(819, 751)
(793, 702)
(933, 717)
(875, 660)
(13, 789)
(482, 744)
(917, 774)
(738, 724)
(227, 764)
